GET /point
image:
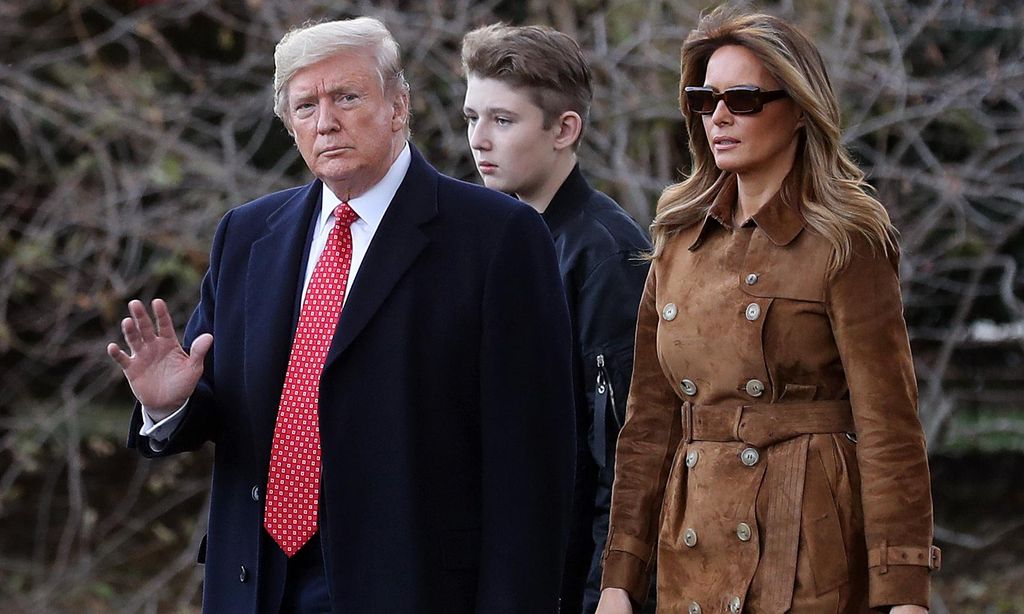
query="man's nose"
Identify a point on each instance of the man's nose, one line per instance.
(327, 119)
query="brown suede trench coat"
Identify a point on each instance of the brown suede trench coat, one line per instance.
(772, 459)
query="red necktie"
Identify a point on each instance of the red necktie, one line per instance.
(293, 482)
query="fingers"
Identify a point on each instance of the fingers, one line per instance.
(140, 329)
(115, 352)
(164, 325)
(143, 322)
(200, 347)
(131, 333)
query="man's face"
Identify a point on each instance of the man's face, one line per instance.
(347, 128)
(513, 151)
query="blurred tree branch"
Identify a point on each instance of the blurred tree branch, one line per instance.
(127, 128)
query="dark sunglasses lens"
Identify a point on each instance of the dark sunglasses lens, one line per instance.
(742, 101)
(700, 101)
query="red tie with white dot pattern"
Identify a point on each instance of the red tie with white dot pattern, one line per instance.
(293, 482)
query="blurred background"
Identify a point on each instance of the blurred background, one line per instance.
(128, 128)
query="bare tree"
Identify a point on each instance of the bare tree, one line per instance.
(128, 128)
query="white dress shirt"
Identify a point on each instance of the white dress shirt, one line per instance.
(370, 207)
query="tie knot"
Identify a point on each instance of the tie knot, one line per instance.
(345, 215)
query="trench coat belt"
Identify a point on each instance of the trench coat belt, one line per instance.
(783, 431)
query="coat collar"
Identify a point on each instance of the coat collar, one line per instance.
(568, 200)
(780, 220)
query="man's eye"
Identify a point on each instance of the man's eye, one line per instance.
(470, 119)
(502, 121)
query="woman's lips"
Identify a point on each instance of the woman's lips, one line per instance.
(724, 143)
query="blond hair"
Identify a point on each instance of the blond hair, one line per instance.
(831, 190)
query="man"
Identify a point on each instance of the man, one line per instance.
(528, 95)
(413, 454)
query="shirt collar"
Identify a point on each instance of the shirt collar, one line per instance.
(778, 219)
(373, 204)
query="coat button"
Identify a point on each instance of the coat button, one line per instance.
(749, 457)
(690, 538)
(735, 604)
(751, 279)
(243, 575)
(669, 312)
(755, 387)
(753, 311)
(743, 532)
(691, 458)
(689, 388)
(694, 608)
(255, 494)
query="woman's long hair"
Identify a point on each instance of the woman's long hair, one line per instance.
(830, 189)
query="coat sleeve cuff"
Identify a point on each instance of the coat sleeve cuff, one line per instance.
(625, 571)
(899, 585)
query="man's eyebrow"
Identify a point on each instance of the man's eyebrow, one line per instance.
(347, 86)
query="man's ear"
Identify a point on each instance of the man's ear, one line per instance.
(400, 114)
(567, 129)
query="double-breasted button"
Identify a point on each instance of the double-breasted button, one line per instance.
(255, 494)
(755, 387)
(751, 279)
(694, 608)
(669, 312)
(743, 532)
(749, 457)
(689, 388)
(753, 311)
(691, 458)
(690, 538)
(735, 604)
(243, 575)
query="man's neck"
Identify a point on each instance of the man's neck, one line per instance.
(541, 197)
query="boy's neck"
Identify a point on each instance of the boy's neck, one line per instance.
(541, 197)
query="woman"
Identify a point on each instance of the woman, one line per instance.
(772, 460)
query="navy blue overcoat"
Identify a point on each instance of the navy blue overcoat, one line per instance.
(445, 404)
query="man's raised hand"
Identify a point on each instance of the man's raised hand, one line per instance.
(162, 376)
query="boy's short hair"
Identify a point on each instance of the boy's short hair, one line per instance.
(548, 64)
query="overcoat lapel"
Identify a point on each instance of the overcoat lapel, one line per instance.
(275, 265)
(395, 246)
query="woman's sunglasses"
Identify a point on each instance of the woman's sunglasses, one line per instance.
(741, 100)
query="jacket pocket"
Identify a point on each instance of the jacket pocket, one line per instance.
(606, 382)
(822, 531)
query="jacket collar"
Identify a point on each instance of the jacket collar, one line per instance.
(568, 200)
(779, 220)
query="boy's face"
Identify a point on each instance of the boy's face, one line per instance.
(512, 150)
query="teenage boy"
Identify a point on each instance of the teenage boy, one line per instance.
(528, 93)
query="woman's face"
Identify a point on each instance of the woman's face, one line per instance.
(761, 144)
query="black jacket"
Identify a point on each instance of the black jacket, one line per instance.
(598, 247)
